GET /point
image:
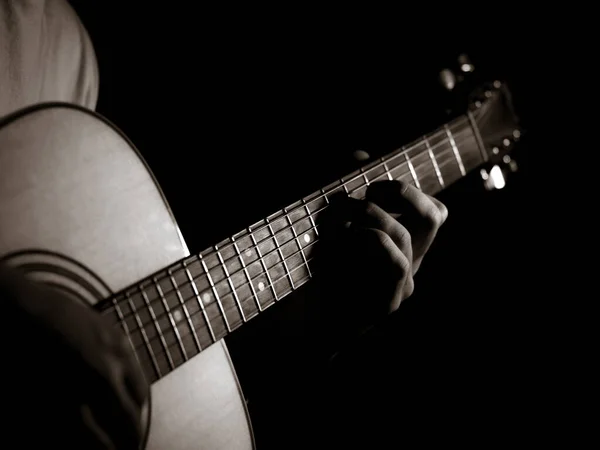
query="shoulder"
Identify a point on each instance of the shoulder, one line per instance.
(46, 55)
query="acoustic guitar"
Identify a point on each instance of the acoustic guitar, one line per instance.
(81, 211)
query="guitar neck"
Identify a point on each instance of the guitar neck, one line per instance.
(175, 314)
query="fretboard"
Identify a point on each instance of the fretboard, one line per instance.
(180, 311)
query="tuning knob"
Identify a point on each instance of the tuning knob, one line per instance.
(494, 179)
(447, 79)
(465, 63)
(510, 163)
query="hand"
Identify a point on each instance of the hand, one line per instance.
(372, 250)
(79, 374)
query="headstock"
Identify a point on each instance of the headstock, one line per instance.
(491, 109)
(458, 80)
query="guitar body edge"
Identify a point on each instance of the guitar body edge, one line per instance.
(81, 210)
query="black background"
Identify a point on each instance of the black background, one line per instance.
(239, 113)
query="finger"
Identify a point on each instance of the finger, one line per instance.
(370, 215)
(347, 211)
(421, 215)
(404, 198)
(443, 209)
(387, 252)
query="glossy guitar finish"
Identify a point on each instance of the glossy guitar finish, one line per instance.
(81, 211)
(74, 192)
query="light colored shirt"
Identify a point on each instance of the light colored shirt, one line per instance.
(45, 55)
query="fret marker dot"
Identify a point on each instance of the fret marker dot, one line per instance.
(177, 315)
(261, 286)
(248, 253)
(306, 238)
(206, 297)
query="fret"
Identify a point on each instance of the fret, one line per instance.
(478, 139)
(300, 231)
(231, 262)
(124, 309)
(312, 221)
(294, 212)
(261, 285)
(249, 283)
(319, 206)
(172, 316)
(129, 332)
(159, 333)
(273, 261)
(287, 270)
(332, 189)
(299, 244)
(134, 302)
(286, 239)
(352, 182)
(239, 281)
(315, 203)
(263, 240)
(237, 300)
(399, 168)
(444, 156)
(178, 358)
(367, 183)
(365, 177)
(434, 162)
(200, 305)
(204, 289)
(461, 167)
(151, 370)
(219, 282)
(246, 247)
(192, 330)
(376, 171)
(424, 168)
(301, 225)
(412, 171)
(151, 300)
(467, 146)
(215, 294)
(387, 170)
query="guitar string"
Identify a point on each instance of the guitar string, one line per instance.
(261, 274)
(428, 163)
(403, 165)
(235, 307)
(381, 162)
(150, 351)
(309, 216)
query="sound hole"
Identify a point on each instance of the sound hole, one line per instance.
(71, 278)
(60, 272)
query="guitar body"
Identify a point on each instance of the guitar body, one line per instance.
(80, 210)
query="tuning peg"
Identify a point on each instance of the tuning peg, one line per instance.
(447, 79)
(494, 179)
(360, 155)
(510, 163)
(465, 63)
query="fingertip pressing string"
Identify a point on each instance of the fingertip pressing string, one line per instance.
(327, 195)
